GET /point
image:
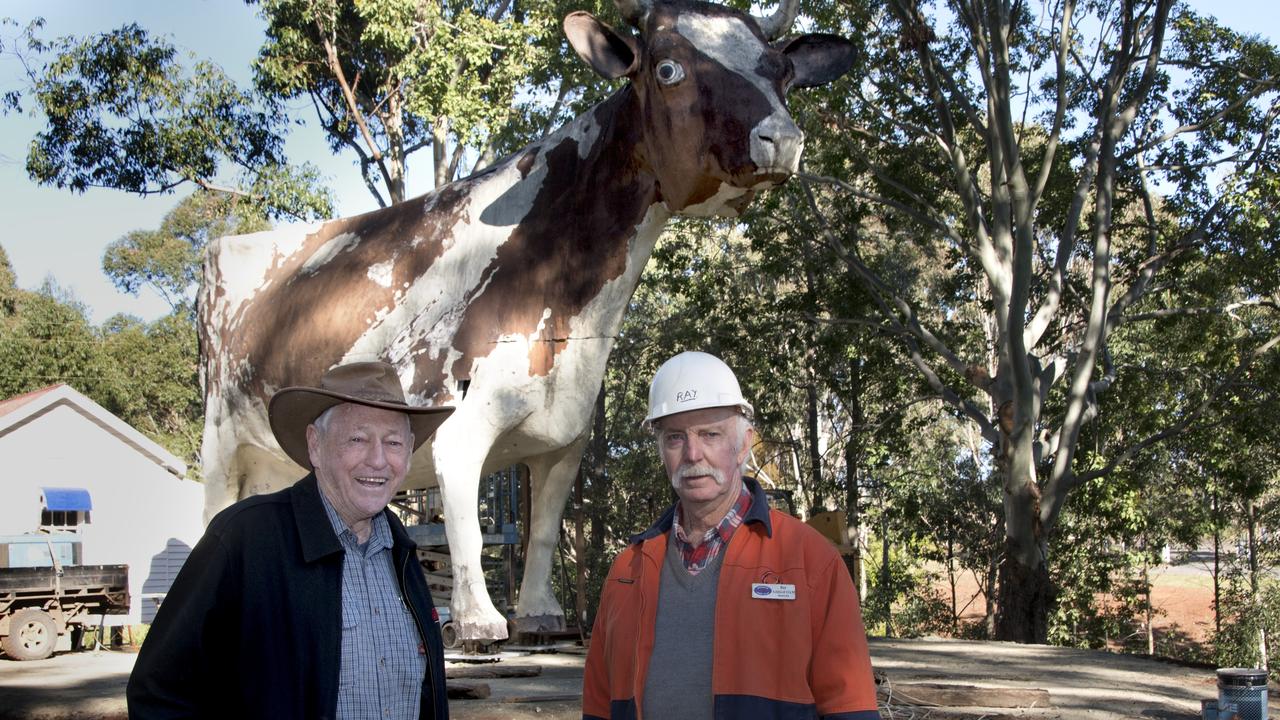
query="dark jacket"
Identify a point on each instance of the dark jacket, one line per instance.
(252, 627)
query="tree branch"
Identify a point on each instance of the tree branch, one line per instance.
(1212, 397)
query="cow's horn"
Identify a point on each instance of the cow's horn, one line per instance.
(632, 10)
(779, 23)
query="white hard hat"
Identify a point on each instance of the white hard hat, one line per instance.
(693, 381)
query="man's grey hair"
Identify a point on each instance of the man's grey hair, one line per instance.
(322, 422)
(744, 424)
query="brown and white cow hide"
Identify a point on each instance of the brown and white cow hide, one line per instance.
(502, 293)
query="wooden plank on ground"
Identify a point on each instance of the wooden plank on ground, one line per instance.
(462, 690)
(493, 671)
(948, 695)
(563, 697)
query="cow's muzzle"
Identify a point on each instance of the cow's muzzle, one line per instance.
(776, 145)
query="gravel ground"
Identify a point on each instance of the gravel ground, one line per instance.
(1082, 684)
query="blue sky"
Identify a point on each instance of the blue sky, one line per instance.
(55, 233)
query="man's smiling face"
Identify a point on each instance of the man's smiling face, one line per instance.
(361, 455)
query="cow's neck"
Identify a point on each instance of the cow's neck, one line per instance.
(597, 163)
(578, 215)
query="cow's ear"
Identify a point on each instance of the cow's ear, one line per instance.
(610, 54)
(818, 58)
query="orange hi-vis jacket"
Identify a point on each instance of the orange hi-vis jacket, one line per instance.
(803, 657)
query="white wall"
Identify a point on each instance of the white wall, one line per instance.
(19, 502)
(139, 507)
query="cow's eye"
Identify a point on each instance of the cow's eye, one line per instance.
(670, 72)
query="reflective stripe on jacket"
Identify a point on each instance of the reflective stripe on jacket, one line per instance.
(774, 658)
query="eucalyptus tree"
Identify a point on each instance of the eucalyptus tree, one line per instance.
(385, 79)
(388, 78)
(167, 260)
(1059, 161)
(124, 109)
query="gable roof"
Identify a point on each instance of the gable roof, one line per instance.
(17, 401)
(20, 410)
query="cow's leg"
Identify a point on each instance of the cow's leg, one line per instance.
(459, 450)
(551, 477)
(217, 464)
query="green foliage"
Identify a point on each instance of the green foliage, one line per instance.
(168, 258)
(391, 77)
(150, 380)
(47, 339)
(144, 373)
(8, 287)
(123, 112)
(1249, 597)
(473, 64)
(1246, 619)
(903, 600)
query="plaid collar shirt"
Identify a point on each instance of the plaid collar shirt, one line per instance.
(383, 663)
(713, 542)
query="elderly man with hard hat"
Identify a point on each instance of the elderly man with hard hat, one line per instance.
(308, 602)
(723, 608)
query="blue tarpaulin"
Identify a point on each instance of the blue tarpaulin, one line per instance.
(66, 499)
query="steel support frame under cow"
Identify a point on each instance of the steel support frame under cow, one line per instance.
(501, 293)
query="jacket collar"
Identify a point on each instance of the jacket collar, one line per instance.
(316, 533)
(757, 513)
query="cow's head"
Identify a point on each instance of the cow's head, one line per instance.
(711, 83)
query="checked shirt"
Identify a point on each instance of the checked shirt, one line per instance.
(713, 542)
(382, 662)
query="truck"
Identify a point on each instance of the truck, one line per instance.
(45, 593)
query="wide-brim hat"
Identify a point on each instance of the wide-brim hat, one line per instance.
(374, 384)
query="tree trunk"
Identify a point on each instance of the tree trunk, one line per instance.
(1217, 551)
(951, 580)
(815, 454)
(1026, 595)
(989, 621)
(886, 577)
(580, 551)
(1255, 594)
(853, 509)
(1148, 610)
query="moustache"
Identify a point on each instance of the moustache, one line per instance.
(696, 470)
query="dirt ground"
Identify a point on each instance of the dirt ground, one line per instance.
(1181, 596)
(1082, 684)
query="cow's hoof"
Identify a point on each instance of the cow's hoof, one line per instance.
(485, 632)
(534, 624)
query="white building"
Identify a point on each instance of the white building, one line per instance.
(68, 465)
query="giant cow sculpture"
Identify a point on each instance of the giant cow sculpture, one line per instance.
(501, 293)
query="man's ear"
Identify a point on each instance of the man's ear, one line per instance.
(313, 445)
(611, 55)
(748, 441)
(818, 58)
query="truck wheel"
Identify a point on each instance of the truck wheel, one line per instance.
(32, 635)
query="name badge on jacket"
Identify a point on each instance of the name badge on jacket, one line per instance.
(770, 591)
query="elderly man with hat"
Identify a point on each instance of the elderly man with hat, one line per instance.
(308, 602)
(723, 608)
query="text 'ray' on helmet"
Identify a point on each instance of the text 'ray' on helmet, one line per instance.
(694, 381)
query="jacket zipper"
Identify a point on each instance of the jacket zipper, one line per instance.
(422, 633)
